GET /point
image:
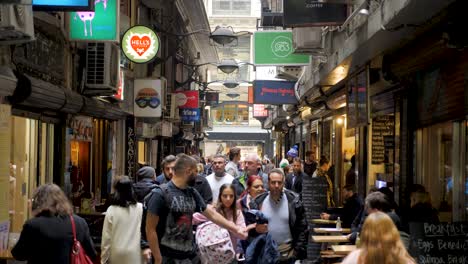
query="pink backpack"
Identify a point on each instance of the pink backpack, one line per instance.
(214, 244)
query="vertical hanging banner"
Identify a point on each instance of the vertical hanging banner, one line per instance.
(5, 145)
(100, 25)
(147, 98)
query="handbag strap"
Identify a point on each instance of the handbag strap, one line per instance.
(73, 227)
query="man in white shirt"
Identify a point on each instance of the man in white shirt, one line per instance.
(219, 175)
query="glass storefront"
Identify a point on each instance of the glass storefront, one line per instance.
(31, 164)
(442, 167)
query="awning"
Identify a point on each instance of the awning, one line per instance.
(7, 81)
(40, 96)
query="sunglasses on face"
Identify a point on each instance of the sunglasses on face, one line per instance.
(152, 102)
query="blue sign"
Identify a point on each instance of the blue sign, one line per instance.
(274, 92)
(65, 5)
(190, 114)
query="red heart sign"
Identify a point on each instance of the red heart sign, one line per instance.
(140, 45)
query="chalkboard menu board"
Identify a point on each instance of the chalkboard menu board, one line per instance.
(314, 197)
(439, 243)
(383, 128)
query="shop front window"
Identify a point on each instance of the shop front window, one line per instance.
(434, 163)
(231, 114)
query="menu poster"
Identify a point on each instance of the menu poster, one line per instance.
(439, 243)
(383, 128)
(4, 231)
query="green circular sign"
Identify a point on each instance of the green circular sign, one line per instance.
(282, 46)
(140, 44)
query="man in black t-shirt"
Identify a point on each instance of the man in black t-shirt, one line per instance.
(169, 222)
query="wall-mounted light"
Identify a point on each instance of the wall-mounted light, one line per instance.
(340, 120)
(288, 117)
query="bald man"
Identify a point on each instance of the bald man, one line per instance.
(251, 167)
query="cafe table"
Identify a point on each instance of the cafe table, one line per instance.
(6, 254)
(343, 249)
(324, 230)
(323, 221)
(330, 239)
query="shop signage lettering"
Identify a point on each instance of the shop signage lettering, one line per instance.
(212, 98)
(140, 44)
(275, 48)
(187, 99)
(259, 110)
(190, 115)
(130, 146)
(274, 92)
(100, 25)
(311, 13)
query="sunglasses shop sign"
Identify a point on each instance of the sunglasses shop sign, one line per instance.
(148, 98)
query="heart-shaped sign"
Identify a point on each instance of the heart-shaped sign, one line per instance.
(140, 44)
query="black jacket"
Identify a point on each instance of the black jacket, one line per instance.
(297, 221)
(49, 239)
(143, 187)
(297, 187)
(351, 209)
(203, 187)
(309, 169)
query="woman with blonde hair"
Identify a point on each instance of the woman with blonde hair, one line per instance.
(380, 243)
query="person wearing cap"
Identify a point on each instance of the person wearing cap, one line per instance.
(146, 183)
(292, 153)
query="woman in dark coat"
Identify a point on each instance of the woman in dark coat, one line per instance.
(48, 237)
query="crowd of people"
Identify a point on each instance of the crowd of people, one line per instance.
(220, 212)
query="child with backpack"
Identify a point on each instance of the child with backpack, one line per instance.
(217, 245)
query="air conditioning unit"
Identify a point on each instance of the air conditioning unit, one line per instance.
(308, 40)
(102, 69)
(16, 24)
(172, 111)
(291, 73)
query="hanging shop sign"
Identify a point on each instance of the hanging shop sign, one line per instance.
(100, 25)
(187, 99)
(147, 98)
(311, 13)
(275, 48)
(130, 147)
(259, 111)
(81, 128)
(121, 87)
(63, 5)
(140, 44)
(190, 115)
(356, 101)
(274, 92)
(211, 98)
(266, 73)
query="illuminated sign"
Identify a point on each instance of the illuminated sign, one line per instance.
(274, 92)
(259, 110)
(140, 44)
(63, 5)
(100, 25)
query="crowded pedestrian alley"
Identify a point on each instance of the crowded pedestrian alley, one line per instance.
(233, 131)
